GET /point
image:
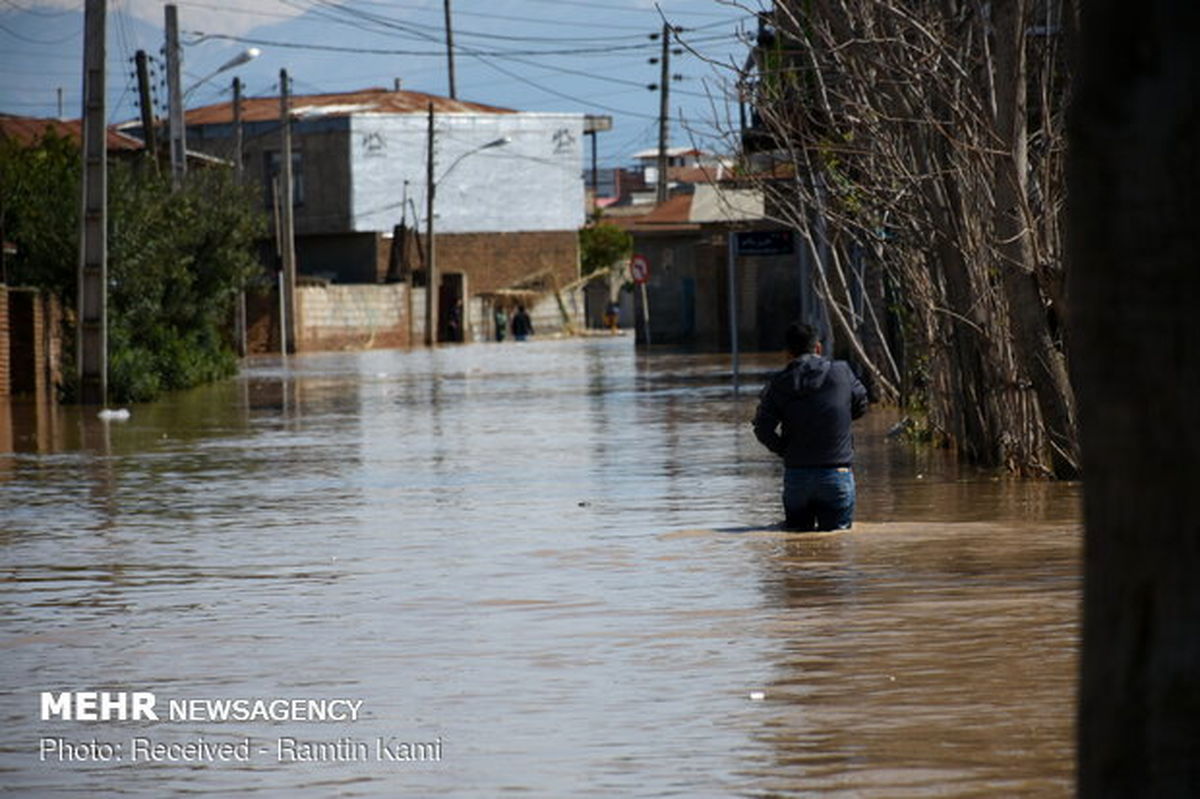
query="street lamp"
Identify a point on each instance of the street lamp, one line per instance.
(177, 127)
(244, 57)
(431, 274)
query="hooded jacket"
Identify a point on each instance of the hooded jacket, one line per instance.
(804, 412)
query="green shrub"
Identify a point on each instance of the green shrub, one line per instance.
(175, 260)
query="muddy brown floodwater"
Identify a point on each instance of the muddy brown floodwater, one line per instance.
(543, 570)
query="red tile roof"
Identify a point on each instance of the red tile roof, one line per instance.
(379, 101)
(674, 211)
(29, 130)
(696, 174)
(672, 215)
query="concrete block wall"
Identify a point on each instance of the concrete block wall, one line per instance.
(339, 317)
(352, 316)
(345, 317)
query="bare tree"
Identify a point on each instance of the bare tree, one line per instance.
(905, 130)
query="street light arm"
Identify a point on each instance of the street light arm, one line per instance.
(431, 272)
(503, 140)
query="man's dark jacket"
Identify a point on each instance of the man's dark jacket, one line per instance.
(813, 399)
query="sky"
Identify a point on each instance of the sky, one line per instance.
(529, 55)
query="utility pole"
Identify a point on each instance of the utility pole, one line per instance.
(450, 50)
(431, 275)
(595, 176)
(146, 106)
(592, 125)
(92, 309)
(286, 215)
(177, 129)
(238, 141)
(239, 320)
(660, 194)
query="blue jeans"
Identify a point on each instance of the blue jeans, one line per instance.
(818, 498)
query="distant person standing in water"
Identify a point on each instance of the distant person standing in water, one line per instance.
(612, 315)
(804, 415)
(454, 329)
(522, 325)
(500, 317)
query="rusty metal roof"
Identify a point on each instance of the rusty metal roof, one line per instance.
(29, 130)
(366, 101)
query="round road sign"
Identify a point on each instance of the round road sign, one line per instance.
(639, 269)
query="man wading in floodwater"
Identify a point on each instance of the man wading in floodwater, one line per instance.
(813, 400)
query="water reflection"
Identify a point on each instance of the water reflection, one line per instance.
(551, 556)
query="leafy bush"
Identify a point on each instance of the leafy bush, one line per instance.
(175, 261)
(603, 246)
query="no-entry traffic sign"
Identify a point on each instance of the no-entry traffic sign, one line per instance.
(639, 269)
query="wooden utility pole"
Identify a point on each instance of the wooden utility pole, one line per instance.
(149, 130)
(431, 275)
(660, 194)
(450, 50)
(240, 306)
(92, 333)
(176, 127)
(286, 216)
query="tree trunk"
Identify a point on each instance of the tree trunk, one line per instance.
(1041, 361)
(1134, 287)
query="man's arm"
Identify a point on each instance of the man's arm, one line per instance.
(858, 396)
(766, 423)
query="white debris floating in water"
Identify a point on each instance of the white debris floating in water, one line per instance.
(757, 696)
(114, 415)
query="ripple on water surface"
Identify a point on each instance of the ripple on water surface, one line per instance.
(555, 559)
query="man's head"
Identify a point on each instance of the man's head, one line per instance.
(802, 339)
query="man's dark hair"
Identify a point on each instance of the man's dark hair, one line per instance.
(801, 338)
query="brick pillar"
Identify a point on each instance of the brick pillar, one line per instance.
(26, 350)
(4, 339)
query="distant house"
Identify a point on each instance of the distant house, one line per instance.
(691, 242)
(506, 216)
(684, 165)
(28, 131)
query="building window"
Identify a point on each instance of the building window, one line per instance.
(273, 163)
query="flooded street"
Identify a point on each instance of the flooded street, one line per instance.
(548, 561)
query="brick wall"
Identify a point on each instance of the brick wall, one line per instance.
(495, 261)
(262, 321)
(27, 350)
(30, 343)
(4, 363)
